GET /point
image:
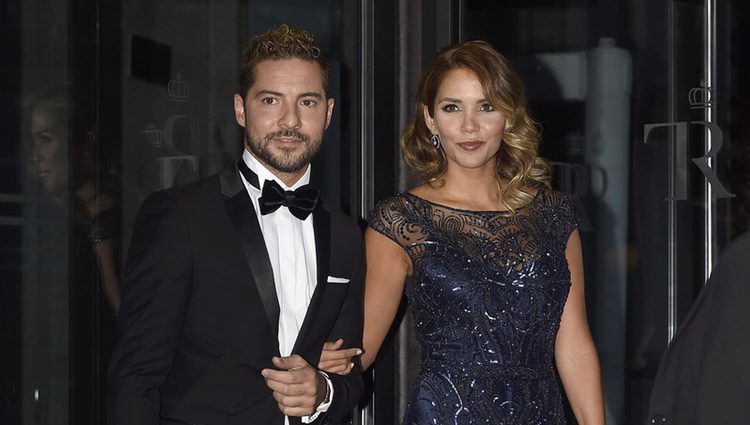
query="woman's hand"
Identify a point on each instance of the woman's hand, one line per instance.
(334, 359)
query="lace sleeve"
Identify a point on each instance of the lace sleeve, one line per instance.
(389, 219)
(560, 213)
(104, 225)
(569, 218)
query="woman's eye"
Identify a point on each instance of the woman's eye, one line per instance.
(450, 108)
(486, 107)
(43, 138)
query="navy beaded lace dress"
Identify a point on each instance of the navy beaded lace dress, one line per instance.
(487, 292)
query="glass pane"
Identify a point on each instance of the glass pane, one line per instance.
(633, 97)
(58, 220)
(104, 102)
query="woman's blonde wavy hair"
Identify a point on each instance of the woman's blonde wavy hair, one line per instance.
(518, 163)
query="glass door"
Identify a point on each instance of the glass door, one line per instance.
(104, 102)
(641, 105)
(635, 99)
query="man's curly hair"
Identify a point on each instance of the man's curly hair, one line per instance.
(282, 42)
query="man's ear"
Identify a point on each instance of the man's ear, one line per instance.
(329, 111)
(239, 110)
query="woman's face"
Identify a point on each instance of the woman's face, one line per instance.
(49, 151)
(470, 128)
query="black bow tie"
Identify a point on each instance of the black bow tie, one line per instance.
(301, 202)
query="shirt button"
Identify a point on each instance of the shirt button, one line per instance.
(658, 420)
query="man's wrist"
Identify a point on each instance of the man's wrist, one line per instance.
(324, 390)
(323, 397)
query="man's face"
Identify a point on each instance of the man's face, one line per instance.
(284, 114)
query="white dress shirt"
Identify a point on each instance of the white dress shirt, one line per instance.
(290, 243)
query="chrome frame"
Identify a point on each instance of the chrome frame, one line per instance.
(710, 226)
(671, 207)
(709, 64)
(366, 143)
(366, 139)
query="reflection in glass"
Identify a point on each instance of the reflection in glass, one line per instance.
(66, 165)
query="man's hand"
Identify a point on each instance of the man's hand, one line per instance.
(335, 360)
(297, 387)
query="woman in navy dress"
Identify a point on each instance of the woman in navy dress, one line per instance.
(489, 258)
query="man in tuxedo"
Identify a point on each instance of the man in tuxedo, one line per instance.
(233, 283)
(704, 377)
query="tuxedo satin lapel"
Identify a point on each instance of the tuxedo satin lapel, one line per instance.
(322, 226)
(242, 214)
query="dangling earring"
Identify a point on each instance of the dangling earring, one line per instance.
(435, 139)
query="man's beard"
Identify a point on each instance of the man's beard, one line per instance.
(287, 161)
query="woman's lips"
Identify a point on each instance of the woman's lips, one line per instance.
(470, 146)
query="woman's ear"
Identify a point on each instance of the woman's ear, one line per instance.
(428, 118)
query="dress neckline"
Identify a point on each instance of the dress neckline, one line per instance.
(461, 210)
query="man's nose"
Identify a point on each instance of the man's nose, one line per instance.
(290, 117)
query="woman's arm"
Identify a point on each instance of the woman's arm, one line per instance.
(387, 268)
(575, 354)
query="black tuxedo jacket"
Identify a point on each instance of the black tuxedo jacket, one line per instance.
(704, 377)
(199, 316)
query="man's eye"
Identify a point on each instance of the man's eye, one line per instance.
(268, 101)
(486, 107)
(450, 108)
(309, 103)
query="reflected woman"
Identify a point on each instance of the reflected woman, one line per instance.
(489, 258)
(65, 163)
